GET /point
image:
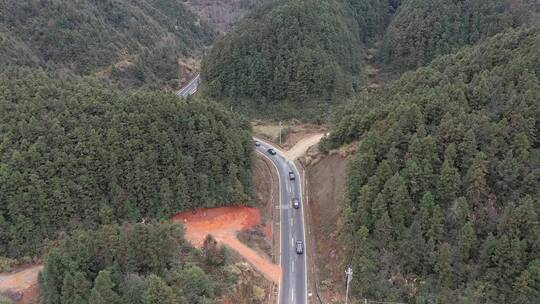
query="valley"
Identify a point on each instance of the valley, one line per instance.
(242, 151)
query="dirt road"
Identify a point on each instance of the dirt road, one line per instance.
(300, 148)
(223, 224)
(20, 281)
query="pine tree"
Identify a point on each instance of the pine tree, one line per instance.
(525, 289)
(412, 174)
(467, 149)
(157, 292)
(68, 289)
(436, 229)
(384, 229)
(102, 292)
(466, 241)
(443, 266)
(476, 184)
(167, 199)
(52, 278)
(397, 197)
(426, 210)
(449, 183)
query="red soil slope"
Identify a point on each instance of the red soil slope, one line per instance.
(223, 224)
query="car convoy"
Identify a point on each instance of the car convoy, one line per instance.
(295, 201)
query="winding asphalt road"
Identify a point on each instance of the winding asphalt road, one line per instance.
(190, 88)
(293, 284)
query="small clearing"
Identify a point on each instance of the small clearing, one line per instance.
(291, 133)
(300, 148)
(21, 282)
(223, 224)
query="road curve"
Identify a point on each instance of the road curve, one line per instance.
(293, 283)
(190, 88)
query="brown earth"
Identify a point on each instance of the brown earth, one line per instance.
(301, 146)
(292, 133)
(223, 224)
(260, 237)
(21, 285)
(326, 178)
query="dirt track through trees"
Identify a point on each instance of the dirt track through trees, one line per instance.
(223, 224)
(302, 146)
(19, 281)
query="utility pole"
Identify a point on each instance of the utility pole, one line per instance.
(280, 133)
(348, 272)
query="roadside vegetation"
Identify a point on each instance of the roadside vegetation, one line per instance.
(137, 264)
(442, 200)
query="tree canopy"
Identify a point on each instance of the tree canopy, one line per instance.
(141, 40)
(442, 202)
(136, 264)
(424, 29)
(76, 153)
(288, 57)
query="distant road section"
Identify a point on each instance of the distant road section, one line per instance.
(190, 88)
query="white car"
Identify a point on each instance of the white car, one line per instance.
(292, 176)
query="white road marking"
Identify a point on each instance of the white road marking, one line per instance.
(280, 220)
(301, 194)
(290, 167)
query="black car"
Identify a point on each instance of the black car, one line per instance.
(272, 151)
(299, 247)
(295, 203)
(257, 144)
(291, 176)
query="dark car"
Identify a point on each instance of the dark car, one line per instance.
(257, 144)
(291, 176)
(299, 247)
(272, 151)
(295, 203)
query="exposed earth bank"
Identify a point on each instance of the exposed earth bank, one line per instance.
(224, 224)
(326, 181)
(21, 285)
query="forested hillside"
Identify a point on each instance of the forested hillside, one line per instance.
(222, 14)
(442, 202)
(299, 58)
(372, 17)
(76, 153)
(135, 264)
(424, 29)
(143, 39)
(289, 57)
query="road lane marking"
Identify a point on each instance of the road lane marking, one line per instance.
(280, 220)
(289, 167)
(301, 194)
